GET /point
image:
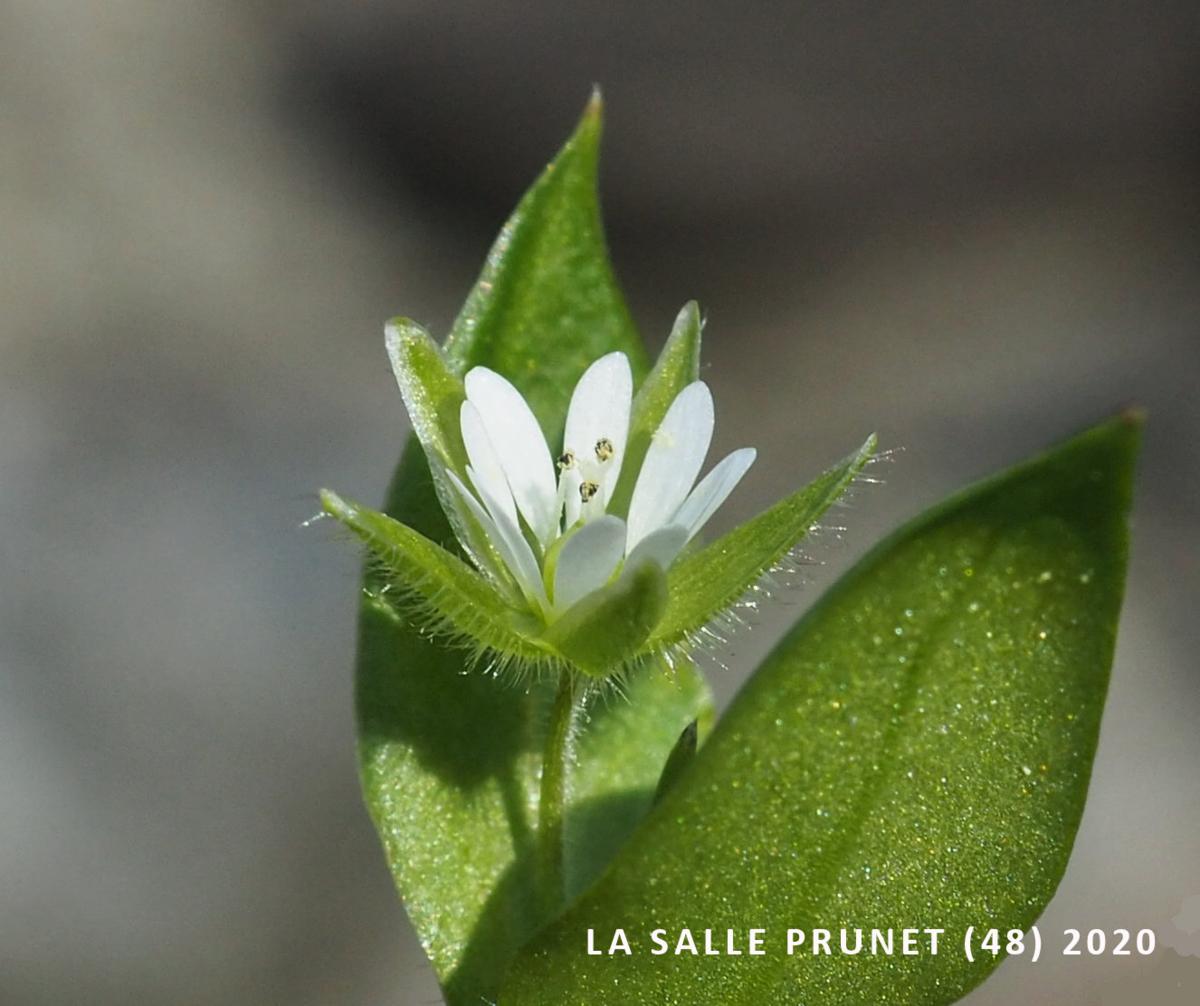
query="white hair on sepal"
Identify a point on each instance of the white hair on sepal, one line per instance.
(409, 605)
(712, 660)
(315, 519)
(607, 692)
(862, 476)
(791, 572)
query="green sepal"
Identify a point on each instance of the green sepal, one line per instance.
(433, 393)
(436, 589)
(708, 582)
(604, 630)
(678, 365)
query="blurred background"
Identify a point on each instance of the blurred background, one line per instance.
(972, 227)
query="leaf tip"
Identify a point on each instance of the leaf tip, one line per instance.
(680, 757)
(591, 124)
(346, 512)
(400, 332)
(1133, 415)
(595, 106)
(1117, 439)
(689, 319)
(865, 455)
(333, 504)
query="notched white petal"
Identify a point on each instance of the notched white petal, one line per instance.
(587, 560)
(477, 537)
(662, 546)
(598, 417)
(509, 542)
(485, 470)
(714, 489)
(520, 447)
(673, 461)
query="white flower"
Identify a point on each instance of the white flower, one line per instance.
(548, 518)
(570, 561)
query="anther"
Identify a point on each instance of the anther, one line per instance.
(604, 448)
(566, 460)
(587, 490)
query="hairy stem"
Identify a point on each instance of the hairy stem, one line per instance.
(556, 760)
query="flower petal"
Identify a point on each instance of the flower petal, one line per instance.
(678, 366)
(520, 447)
(714, 489)
(476, 539)
(485, 470)
(600, 410)
(661, 546)
(509, 542)
(587, 560)
(672, 462)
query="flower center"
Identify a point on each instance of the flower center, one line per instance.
(589, 468)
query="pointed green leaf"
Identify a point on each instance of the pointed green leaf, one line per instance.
(449, 756)
(680, 758)
(547, 305)
(915, 754)
(605, 629)
(620, 790)
(678, 365)
(708, 582)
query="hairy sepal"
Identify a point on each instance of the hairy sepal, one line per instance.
(603, 632)
(437, 590)
(433, 393)
(707, 583)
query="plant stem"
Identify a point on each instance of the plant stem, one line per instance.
(556, 760)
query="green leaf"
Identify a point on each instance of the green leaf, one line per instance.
(546, 305)
(916, 753)
(708, 582)
(617, 794)
(605, 629)
(450, 756)
(678, 365)
(680, 758)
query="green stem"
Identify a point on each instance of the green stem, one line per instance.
(556, 760)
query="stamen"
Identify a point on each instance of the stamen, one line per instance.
(566, 460)
(587, 490)
(604, 449)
